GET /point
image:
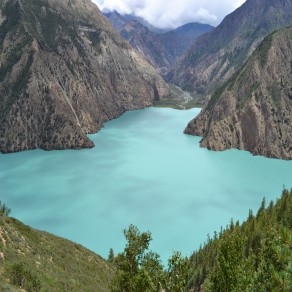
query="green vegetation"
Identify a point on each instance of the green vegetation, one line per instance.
(263, 49)
(216, 96)
(21, 275)
(179, 99)
(38, 261)
(140, 270)
(4, 210)
(253, 256)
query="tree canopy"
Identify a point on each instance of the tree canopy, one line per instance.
(253, 256)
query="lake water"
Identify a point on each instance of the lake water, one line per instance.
(143, 171)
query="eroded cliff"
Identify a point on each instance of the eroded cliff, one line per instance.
(215, 56)
(64, 72)
(253, 110)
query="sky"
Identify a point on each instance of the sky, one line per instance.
(173, 13)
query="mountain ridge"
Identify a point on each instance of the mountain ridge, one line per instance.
(118, 20)
(162, 49)
(252, 110)
(216, 55)
(64, 72)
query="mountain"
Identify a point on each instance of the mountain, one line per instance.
(119, 20)
(162, 50)
(252, 256)
(147, 43)
(179, 40)
(39, 261)
(255, 255)
(64, 72)
(216, 55)
(253, 109)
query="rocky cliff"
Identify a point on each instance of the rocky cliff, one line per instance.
(216, 55)
(253, 110)
(64, 72)
(148, 44)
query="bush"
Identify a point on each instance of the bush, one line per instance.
(22, 276)
(4, 210)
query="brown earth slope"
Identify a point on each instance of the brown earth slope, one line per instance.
(253, 110)
(64, 71)
(215, 56)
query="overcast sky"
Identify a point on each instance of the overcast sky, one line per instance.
(173, 13)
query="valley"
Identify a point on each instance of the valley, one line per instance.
(180, 99)
(118, 118)
(161, 48)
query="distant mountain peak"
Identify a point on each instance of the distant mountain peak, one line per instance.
(162, 49)
(216, 55)
(118, 20)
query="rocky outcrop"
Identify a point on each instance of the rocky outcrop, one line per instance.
(253, 110)
(64, 72)
(215, 56)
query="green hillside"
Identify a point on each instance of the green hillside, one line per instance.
(253, 256)
(39, 261)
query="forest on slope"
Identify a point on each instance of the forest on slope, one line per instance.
(253, 256)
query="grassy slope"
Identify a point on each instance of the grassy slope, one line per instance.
(253, 256)
(58, 264)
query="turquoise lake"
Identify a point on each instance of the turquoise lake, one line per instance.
(143, 171)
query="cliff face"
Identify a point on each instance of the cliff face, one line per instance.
(253, 110)
(215, 56)
(64, 72)
(147, 43)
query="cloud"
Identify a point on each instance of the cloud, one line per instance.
(175, 12)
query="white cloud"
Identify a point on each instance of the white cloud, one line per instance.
(175, 12)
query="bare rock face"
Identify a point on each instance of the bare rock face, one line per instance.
(64, 71)
(253, 110)
(215, 56)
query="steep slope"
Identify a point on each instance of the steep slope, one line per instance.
(147, 43)
(37, 261)
(179, 40)
(162, 50)
(64, 72)
(119, 20)
(253, 110)
(255, 255)
(216, 55)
